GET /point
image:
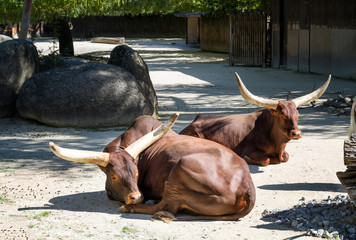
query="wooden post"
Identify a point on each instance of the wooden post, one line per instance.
(230, 37)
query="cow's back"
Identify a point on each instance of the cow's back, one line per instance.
(228, 130)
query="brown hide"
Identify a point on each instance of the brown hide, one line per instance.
(259, 137)
(187, 173)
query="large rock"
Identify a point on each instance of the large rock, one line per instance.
(18, 61)
(127, 58)
(4, 38)
(84, 95)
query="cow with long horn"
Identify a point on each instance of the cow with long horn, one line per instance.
(183, 172)
(114, 159)
(259, 137)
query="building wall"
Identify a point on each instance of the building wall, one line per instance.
(315, 36)
(333, 51)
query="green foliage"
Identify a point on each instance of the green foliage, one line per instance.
(51, 60)
(41, 215)
(10, 11)
(5, 200)
(127, 229)
(47, 10)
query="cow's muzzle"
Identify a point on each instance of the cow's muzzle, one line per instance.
(134, 198)
(295, 134)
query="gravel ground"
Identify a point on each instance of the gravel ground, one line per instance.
(331, 218)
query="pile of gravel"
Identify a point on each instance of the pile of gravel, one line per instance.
(340, 105)
(332, 218)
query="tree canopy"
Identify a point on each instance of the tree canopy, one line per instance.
(46, 10)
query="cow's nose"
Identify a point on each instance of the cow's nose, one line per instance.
(134, 197)
(296, 134)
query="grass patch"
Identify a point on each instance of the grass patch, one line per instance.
(127, 229)
(41, 215)
(5, 200)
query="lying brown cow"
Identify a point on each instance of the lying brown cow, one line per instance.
(185, 173)
(259, 137)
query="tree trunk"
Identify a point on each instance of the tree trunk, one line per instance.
(64, 35)
(26, 16)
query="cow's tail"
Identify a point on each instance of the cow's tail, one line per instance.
(249, 205)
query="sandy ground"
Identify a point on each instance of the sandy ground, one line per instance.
(44, 197)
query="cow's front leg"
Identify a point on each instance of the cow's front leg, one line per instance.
(285, 156)
(155, 210)
(140, 208)
(282, 157)
(275, 160)
(164, 216)
(257, 158)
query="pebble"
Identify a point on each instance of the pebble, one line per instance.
(331, 218)
(320, 232)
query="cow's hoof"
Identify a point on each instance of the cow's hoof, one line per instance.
(164, 216)
(285, 157)
(124, 209)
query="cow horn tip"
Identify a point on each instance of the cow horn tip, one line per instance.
(53, 146)
(237, 75)
(175, 116)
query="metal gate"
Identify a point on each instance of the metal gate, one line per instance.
(248, 38)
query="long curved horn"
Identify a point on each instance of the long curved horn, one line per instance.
(313, 95)
(135, 148)
(249, 97)
(100, 158)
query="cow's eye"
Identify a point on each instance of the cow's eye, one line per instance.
(114, 178)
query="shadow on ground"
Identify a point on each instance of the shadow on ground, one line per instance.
(80, 202)
(325, 187)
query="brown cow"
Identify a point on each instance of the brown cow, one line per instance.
(259, 137)
(184, 172)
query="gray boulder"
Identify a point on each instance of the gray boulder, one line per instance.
(127, 58)
(18, 61)
(4, 38)
(84, 95)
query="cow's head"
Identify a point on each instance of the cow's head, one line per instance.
(120, 167)
(285, 111)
